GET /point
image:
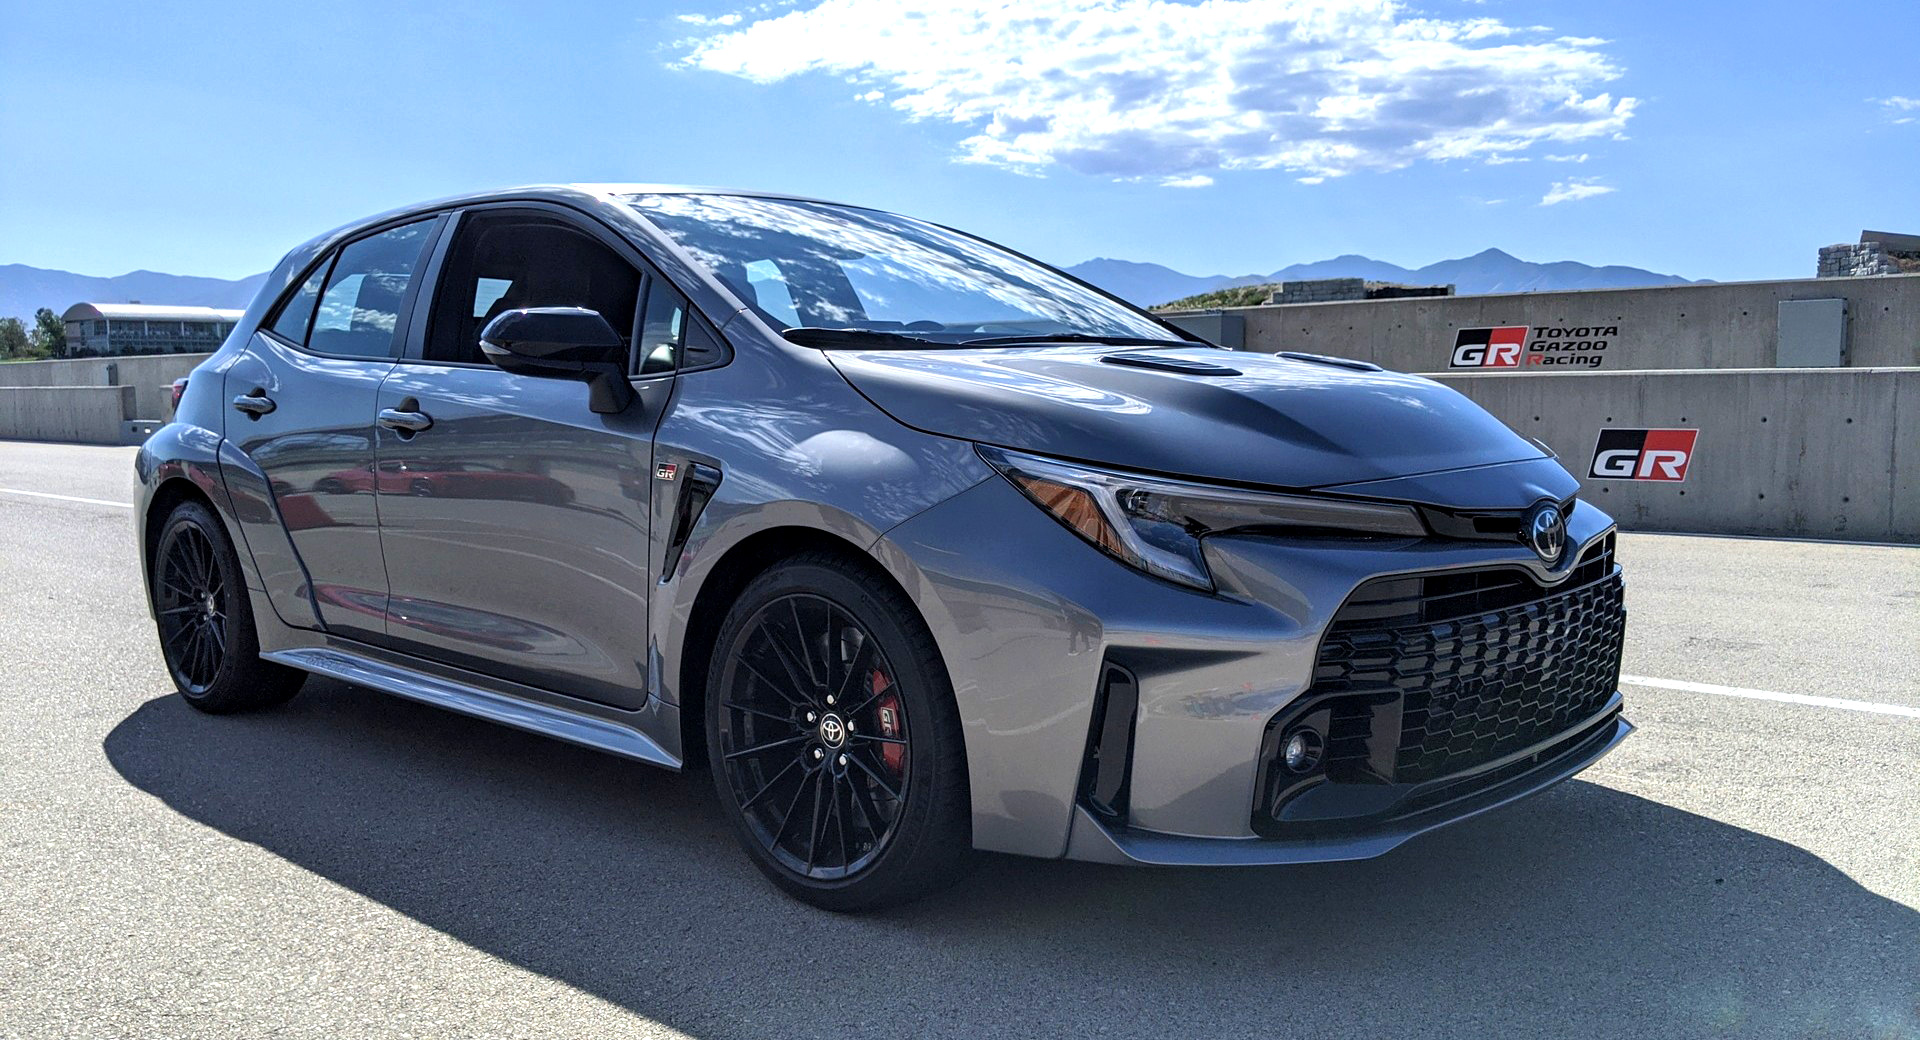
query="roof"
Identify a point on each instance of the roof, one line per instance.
(147, 312)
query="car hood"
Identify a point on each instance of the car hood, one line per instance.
(1256, 420)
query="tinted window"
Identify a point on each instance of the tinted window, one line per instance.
(295, 315)
(505, 261)
(360, 308)
(664, 330)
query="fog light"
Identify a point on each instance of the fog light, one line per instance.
(1302, 750)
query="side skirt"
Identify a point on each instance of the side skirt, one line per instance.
(550, 720)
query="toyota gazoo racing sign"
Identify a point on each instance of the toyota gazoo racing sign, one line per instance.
(1517, 346)
(1642, 455)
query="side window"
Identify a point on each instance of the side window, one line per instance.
(360, 308)
(504, 260)
(664, 329)
(297, 314)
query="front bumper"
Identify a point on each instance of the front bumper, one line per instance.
(1501, 783)
(1031, 622)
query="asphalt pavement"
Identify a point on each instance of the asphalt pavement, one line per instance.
(1746, 865)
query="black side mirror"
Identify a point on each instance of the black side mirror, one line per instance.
(564, 343)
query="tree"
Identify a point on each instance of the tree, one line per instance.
(13, 338)
(49, 334)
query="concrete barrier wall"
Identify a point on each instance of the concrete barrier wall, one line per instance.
(1817, 453)
(1732, 325)
(82, 414)
(149, 375)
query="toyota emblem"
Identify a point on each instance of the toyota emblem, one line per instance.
(1545, 532)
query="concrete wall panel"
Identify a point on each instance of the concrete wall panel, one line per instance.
(81, 414)
(149, 375)
(1803, 453)
(1730, 325)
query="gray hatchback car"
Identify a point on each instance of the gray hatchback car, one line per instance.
(918, 545)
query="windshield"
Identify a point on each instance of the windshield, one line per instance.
(820, 266)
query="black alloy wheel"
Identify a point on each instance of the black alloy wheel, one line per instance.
(205, 619)
(193, 608)
(814, 738)
(833, 738)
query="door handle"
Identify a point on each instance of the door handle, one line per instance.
(254, 402)
(407, 421)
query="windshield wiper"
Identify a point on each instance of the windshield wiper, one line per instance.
(810, 336)
(1077, 337)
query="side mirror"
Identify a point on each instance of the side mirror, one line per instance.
(563, 343)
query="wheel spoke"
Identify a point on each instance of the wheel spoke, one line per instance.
(751, 710)
(760, 748)
(787, 817)
(863, 800)
(185, 609)
(877, 778)
(840, 823)
(854, 668)
(800, 631)
(814, 827)
(785, 657)
(774, 686)
(870, 738)
(757, 795)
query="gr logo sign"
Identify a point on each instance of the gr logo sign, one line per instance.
(1642, 455)
(1497, 347)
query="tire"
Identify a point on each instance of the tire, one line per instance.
(205, 619)
(859, 717)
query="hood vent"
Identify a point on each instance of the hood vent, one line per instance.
(1323, 359)
(1170, 363)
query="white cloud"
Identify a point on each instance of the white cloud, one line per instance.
(1170, 90)
(1580, 158)
(1898, 108)
(1573, 191)
(1192, 180)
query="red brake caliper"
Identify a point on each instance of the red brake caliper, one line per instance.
(887, 707)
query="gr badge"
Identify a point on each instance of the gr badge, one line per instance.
(1642, 455)
(1497, 347)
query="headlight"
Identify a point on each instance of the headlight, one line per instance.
(1156, 524)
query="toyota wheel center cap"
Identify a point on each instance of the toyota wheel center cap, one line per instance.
(833, 732)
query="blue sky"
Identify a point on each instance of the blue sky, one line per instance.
(1722, 141)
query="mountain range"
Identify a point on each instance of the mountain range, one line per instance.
(1490, 271)
(24, 289)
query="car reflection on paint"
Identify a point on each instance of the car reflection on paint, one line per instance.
(449, 479)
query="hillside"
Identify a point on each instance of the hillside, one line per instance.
(1489, 271)
(25, 289)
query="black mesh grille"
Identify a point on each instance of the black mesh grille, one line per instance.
(1485, 663)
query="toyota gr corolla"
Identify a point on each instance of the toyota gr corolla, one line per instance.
(918, 546)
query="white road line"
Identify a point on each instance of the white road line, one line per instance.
(1871, 707)
(66, 498)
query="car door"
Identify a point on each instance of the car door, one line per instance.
(303, 393)
(517, 537)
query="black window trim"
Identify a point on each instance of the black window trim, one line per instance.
(403, 330)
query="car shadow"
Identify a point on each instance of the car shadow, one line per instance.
(1583, 912)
